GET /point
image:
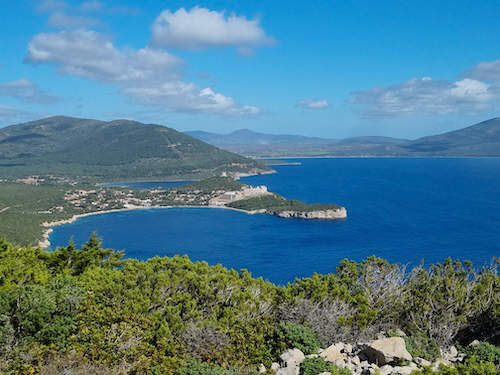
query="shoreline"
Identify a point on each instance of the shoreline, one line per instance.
(44, 243)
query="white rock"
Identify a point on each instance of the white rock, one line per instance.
(355, 360)
(386, 370)
(403, 370)
(262, 368)
(348, 348)
(340, 363)
(275, 366)
(332, 353)
(386, 350)
(292, 357)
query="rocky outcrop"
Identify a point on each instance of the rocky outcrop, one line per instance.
(386, 350)
(339, 213)
(387, 356)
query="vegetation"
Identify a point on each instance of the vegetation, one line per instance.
(91, 311)
(119, 149)
(298, 336)
(277, 203)
(470, 367)
(317, 365)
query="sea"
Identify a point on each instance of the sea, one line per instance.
(406, 210)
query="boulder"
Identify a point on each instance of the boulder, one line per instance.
(332, 353)
(275, 366)
(262, 369)
(386, 350)
(291, 359)
(386, 370)
(403, 370)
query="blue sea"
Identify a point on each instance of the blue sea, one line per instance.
(402, 209)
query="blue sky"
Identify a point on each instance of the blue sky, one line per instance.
(324, 68)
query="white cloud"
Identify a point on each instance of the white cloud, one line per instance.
(425, 95)
(200, 28)
(148, 75)
(488, 70)
(312, 104)
(63, 20)
(26, 91)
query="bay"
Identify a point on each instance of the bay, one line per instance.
(402, 209)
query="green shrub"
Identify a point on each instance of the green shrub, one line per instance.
(470, 367)
(484, 352)
(200, 368)
(298, 336)
(423, 347)
(317, 365)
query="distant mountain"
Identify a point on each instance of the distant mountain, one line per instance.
(115, 149)
(373, 140)
(245, 136)
(482, 139)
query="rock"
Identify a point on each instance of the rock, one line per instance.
(355, 360)
(386, 370)
(292, 359)
(332, 353)
(348, 348)
(422, 362)
(475, 342)
(275, 366)
(453, 352)
(288, 371)
(364, 364)
(386, 350)
(262, 369)
(312, 356)
(325, 373)
(340, 363)
(339, 213)
(403, 370)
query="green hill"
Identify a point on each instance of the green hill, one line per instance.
(110, 150)
(482, 139)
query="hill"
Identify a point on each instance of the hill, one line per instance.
(481, 139)
(111, 150)
(245, 136)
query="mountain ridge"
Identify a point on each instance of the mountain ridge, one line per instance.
(111, 149)
(481, 139)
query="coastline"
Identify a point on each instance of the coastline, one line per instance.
(45, 242)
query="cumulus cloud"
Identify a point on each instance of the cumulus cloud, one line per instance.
(26, 91)
(200, 28)
(312, 104)
(425, 95)
(150, 76)
(488, 70)
(47, 6)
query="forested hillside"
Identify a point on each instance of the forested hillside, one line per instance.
(88, 311)
(110, 150)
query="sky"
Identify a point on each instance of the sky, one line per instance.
(322, 68)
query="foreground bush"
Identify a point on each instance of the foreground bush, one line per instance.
(78, 309)
(317, 365)
(298, 336)
(483, 351)
(470, 367)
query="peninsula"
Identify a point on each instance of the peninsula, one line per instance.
(214, 192)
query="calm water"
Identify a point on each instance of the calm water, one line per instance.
(404, 210)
